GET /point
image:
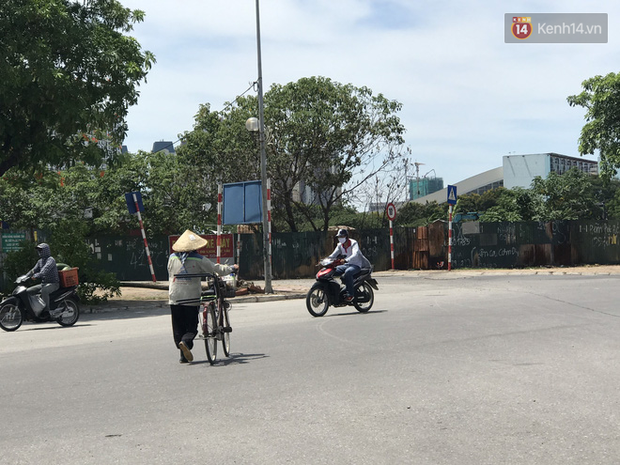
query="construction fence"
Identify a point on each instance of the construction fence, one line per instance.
(296, 255)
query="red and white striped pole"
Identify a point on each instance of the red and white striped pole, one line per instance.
(219, 222)
(450, 238)
(269, 218)
(392, 244)
(146, 245)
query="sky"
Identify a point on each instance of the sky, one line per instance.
(468, 97)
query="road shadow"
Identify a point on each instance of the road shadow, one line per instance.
(124, 311)
(329, 315)
(35, 326)
(235, 358)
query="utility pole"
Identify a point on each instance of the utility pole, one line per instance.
(263, 162)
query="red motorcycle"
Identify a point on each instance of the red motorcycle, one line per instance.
(326, 291)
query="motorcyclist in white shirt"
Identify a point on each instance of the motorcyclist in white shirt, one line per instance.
(353, 262)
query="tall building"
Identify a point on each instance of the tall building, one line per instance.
(520, 170)
(425, 186)
(516, 171)
(163, 145)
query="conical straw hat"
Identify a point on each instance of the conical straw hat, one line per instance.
(188, 242)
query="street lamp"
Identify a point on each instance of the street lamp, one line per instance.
(253, 125)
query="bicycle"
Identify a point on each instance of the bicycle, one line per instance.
(213, 319)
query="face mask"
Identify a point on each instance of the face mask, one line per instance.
(342, 240)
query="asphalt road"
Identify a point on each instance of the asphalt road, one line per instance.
(449, 369)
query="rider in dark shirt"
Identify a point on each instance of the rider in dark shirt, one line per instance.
(46, 270)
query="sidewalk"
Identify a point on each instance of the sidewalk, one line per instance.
(147, 295)
(144, 295)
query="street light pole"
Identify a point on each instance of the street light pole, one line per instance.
(263, 160)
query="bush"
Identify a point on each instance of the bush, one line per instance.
(67, 244)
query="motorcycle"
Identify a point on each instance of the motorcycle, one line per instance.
(326, 291)
(20, 306)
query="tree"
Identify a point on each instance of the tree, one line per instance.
(69, 73)
(512, 205)
(567, 196)
(324, 139)
(218, 150)
(601, 99)
(328, 137)
(570, 196)
(415, 214)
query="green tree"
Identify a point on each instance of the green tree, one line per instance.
(415, 214)
(512, 205)
(568, 196)
(69, 73)
(324, 139)
(601, 99)
(218, 149)
(330, 137)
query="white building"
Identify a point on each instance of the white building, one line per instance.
(520, 170)
(516, 171)
(476, 184)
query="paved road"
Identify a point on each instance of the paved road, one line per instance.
(447, 369)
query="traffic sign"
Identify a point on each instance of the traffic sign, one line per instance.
(131, 204)
(451, 195)
(12, 241)
(391, 211)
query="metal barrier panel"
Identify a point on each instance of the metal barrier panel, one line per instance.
(511, 245)
(475, 245)
(595, 242)
(126, 256)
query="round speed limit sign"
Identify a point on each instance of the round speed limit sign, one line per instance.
(391, 211)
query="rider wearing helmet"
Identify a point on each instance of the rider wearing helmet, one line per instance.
(353, 262)
(46, 270)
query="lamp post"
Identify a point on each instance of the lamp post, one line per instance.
(263, 157)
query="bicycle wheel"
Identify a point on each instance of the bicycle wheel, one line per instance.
(210, 333)
(226, 329)
(364, 297)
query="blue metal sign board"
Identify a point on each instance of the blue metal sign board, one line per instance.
(451, 195)
(242, 203)
(131, 205)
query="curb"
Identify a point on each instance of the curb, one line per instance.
(146, 305)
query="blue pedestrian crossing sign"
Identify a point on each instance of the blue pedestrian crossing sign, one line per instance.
(451, 195)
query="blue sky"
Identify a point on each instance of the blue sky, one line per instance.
(468, 98)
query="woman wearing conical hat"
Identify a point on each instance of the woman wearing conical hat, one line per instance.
(186, 260)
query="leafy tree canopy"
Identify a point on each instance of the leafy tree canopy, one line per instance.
(601, 99)
(323, 140)
(69, 73)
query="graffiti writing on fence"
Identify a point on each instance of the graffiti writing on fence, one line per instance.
(601, 235)
(507, 233)
(460, 239)
(501, 252)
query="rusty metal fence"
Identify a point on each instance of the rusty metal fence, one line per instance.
(475, 245)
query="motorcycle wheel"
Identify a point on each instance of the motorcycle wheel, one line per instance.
(70, 314)
(11, 317)
(317, 302)
(364, 297)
